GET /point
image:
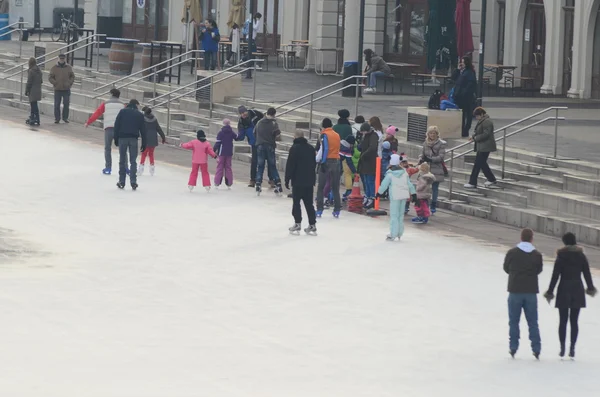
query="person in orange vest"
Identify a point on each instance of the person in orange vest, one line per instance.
(328, 159)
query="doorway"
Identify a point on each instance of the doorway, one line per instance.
(596, 59)
(568, 46)
(534, 40)
(139, 19)
(405, 31)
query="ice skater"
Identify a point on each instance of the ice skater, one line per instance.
(152, 129)
(523, 264)
(425, 180)
(300, 171)
(570, 264)
(400, 189)
(33, 90)
(224, 149)
(201, 149)
(109, 110)
(129, 126)
(267, 134)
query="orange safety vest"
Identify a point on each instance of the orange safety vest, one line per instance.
(333, 143)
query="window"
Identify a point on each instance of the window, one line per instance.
(127, 11)
(501, 27)
(164, 16)
(395, 32)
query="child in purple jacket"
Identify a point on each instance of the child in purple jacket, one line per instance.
(224, 149)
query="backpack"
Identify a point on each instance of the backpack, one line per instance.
(435, 99)
(255, 115)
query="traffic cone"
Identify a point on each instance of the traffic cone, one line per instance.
(355, 200)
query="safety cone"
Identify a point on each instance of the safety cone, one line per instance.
(355, 200)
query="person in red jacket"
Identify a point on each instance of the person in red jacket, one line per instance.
(110, 109)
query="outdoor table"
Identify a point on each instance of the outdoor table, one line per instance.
(320, 55)
(403, 67)
(502, 71)
(290, 47)
(121, 55)
(423, 76)
(223, 50)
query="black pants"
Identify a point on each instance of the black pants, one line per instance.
(481, 165)
(65, 96)
(305, 194)
(566, 315)
(467, 118)
(35, 111)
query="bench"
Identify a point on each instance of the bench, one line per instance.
(423, 76)
(527, 84)
(265, 57)
(290, 54)
(386, 78)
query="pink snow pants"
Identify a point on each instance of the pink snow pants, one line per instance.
(194, 174)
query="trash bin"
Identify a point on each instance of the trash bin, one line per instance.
(350, 69)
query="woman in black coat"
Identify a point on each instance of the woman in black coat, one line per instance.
(570, 297)
(464, 92)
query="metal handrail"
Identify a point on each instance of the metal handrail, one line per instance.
(113, 83)
(206, 78)
(59, 50)
(556, 119)
(14, 24)
(322, 89)
(153, 74)
(13, 30)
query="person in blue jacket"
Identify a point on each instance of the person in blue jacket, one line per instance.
(246, 131)
(209, 36)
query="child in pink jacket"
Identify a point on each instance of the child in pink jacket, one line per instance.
(201, 149)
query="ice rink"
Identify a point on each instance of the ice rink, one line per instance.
(163, 293)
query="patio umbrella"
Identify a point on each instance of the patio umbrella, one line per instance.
(236, 13)
(440, 34)
(464, 34)
(195, 11)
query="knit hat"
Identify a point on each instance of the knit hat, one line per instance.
(386, 145)
(200, 134)
(226, 121)
(242, 109)
(350, 139)
(391, 130)
(365, 127)
(344, 113)
(395, 160)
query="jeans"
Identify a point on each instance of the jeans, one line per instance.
(435, 187)
(373, 78)
(481, 165)
(128, 145)
(528, 304)
(210, 60)
(65, 96)
(35, 112)
(369, 185)
(303, 194)
(266, 153)
(330, 170)
(109, 134)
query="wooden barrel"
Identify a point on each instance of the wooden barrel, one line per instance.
(148, 61)
(121, 56)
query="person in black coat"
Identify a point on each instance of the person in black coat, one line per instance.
(464, 92)
(570, 263)
(129, 126)
(300, 170)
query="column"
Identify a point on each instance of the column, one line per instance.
(351, 31)
(583, 48)
(327, 24)
(513, 34)
(374, 27)
(312, 30)
(90, 13)
(553, 53)
(294, 16)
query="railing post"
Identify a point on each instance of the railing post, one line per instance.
(21, 86)
(210, 105)
(451, 173)
(97, 53)
(20, 42)
(356, 97)
(503, 151)
(169, 113)
(310, 117)
(254, 84)
(154, 85)
(556, 134)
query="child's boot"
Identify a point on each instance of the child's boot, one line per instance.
(141, 170)
(417, 220)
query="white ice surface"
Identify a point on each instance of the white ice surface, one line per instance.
(163, 293)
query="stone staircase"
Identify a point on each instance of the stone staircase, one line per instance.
(549, 195)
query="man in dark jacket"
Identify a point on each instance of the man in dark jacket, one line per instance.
(129, 126)
(267, 133)
(62, 78)
(523, 264)
(300, 170)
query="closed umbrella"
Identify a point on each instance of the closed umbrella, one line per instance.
(236, 13)
(464, 33)
(195, 11)
(440, 34)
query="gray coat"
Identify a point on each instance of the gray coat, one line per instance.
(484, 135)
(379, 65)
(152, 128)
(436, 153)
(34, 84)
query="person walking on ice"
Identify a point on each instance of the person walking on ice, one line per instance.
(267, 133)
(152, 129)
(224, 148)
(129, 126)
(300, 171)
(400, 189)
(523, 264)
(109, 109)
(201, 149)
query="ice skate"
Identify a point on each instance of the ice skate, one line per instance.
(295, 229)
(120, 185)
(562, 352)
(512, 353)
(258, 189)
(311, 230)
(572, 353)
(134, 186)
(390, 238)
(336, 214)
(141, 170)
(106, 171)
(536, 355)
(418, 220)
(278, 190)
(228, 187)
(191, 188)
(272, 185)
(252, 183)
(207, 189)
(319, 213)
(151, 170)
(217, 187)
(28, 121)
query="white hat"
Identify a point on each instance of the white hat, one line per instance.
(395, 159)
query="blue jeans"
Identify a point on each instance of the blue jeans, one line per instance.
(210, 60)
(528, 304)
(373, 78)
(434, 192)
(369, 185)
(266, 153)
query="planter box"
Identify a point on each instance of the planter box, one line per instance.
(449, 123)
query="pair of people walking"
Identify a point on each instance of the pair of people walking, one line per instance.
(523, 264)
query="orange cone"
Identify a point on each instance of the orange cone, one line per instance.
(355, 200)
